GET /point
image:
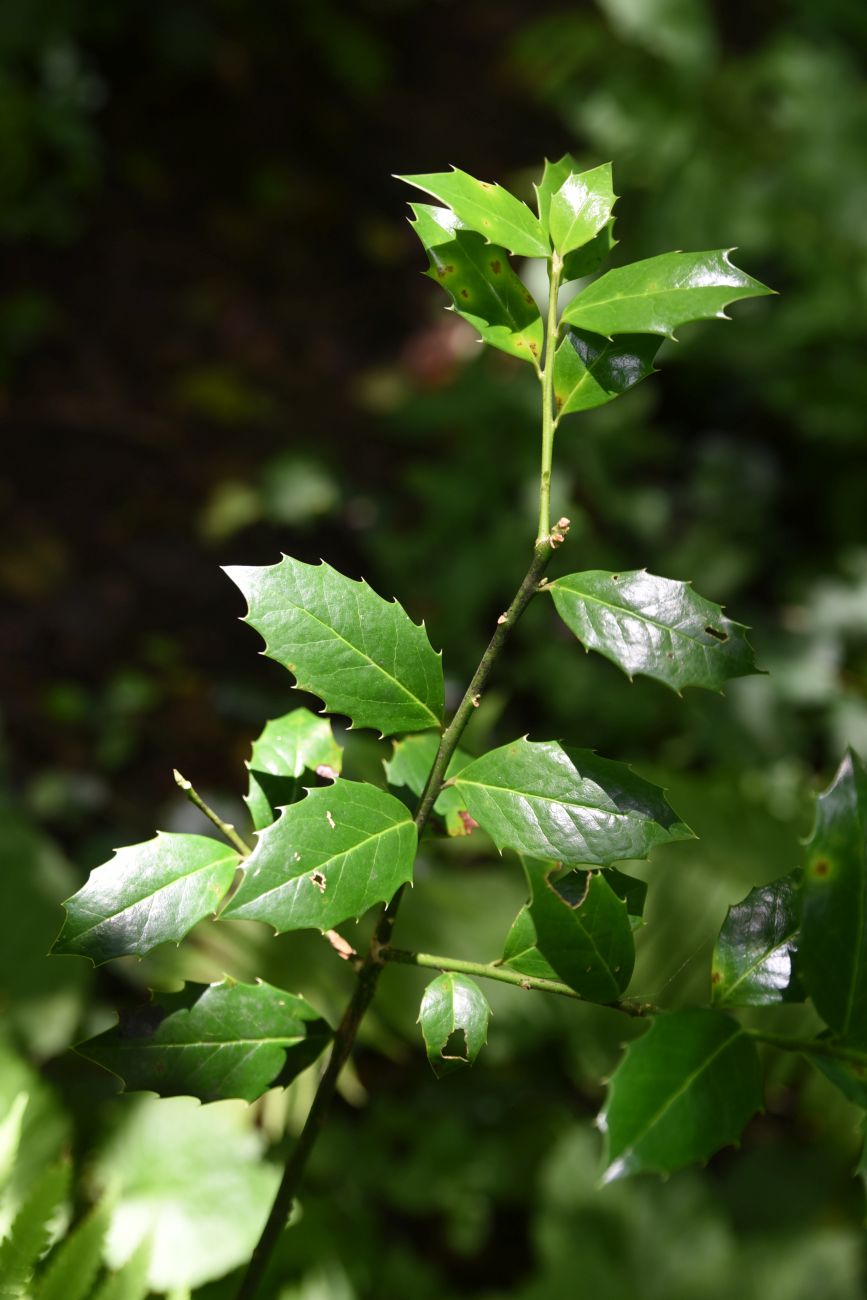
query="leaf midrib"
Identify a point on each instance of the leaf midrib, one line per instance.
(132, 1045)
(546, 798)
(560, 584)
(760, 960)
(186, 875)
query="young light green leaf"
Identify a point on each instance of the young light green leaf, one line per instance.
(566, 805)
(488, 209)
(230, 1040)
(326, 859)
(553, 176)
(582, 931)
(834, 920)
(147, 894)
(362, 655)
(581, 207)
(454, 1022)
(753, 957)
(288, 747)
(684, 1089)
(584, 261)
(410, 765)
(74, 1264)
(659, 294)
(131, 1281)
(590, 370)
(654, 626)
(434, 225)
(488, 294)
(30, 1234)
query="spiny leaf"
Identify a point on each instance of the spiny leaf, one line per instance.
(73, 1266)
(834, 921)
(488, 294)
(659, 294)
(230, 1040)
(488, 209)
(566, 805)
(454, 1022)
(590, 370)
(362, 655)
(30, 1233)
(584, 261)
(684, 1089)
(553, 176)
(410, 766)
(581, 207)
(288, 747)
(753, 957)
(582, 931)
(435, 225)
(655, 626)
(131, 1281)
(147, 894)
(326, 859)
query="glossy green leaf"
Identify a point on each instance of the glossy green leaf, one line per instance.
(434, 225)
(581, 207)
(488, 294)
(553, 176)
(590, 370)
(230, 1040)
(131, 1281)
(147, 894)
(288, 747)
(30, 1233)
(582, 931)
(684, 1089)
(753, 957)
(488, 209)
(659, 294)
(566, 805)
(586, 260)
(409, 766)
(834, 920)
(73, 1265)
(653, 626)
(326, 859)
(454, 1022)
(362, 655)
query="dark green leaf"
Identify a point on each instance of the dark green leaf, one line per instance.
(753, 958)
(410, 765)
(590, 370)
(131, 1281)
(288, 747)
(362, 655)
(684, 1089)
(232, 1040)
(850, 1076)
(486, 292)
(584, 261)
(74, 1264)
(581, 207)
(654, 626)
(488, 209)
(454, 1022)
(834, 922)
(30, 1233)
(659, 294)
(326, 859)
(566, 805)
(147, 894)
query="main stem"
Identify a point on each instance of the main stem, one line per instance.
(549, 422)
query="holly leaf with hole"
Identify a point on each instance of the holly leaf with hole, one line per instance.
(147, 894)
(362, 655)
(488, 209)
(653, 626)
(213, 1042)
(659, 294)
(567, 805)
(409, 768)
(326, 859)
(454, 1019)
(754, 957)
(298, 743)
(590, 370)
(684, 1089)
(833, 942)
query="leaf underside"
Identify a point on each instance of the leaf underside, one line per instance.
(454, 1018)
(753, 961)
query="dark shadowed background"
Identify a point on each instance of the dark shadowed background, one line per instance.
(216, 345)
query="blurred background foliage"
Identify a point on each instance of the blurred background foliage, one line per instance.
(215, 344)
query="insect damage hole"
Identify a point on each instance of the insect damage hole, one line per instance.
(455, 1047)
(316, 878)
(715, 632)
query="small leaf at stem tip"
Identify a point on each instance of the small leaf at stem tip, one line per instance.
(295, 746)
(553, 176)
(454, 1019)
(362, 655)
(488, 209)
(212, 1042)
(590, 370)
(753, 960)
(581, 207)
(147, 894)
(653, 626)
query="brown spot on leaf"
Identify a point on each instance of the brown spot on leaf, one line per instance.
(821, 867)
(615, 577)
(465, 293)
(496, 266)
(716, 977)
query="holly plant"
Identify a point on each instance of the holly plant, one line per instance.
(325, 848)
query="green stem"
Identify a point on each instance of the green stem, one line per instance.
(491, 971)
(815, 1046)
(226, 828)
(549, 423)
(373, 965)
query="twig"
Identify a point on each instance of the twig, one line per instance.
(226, 828)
